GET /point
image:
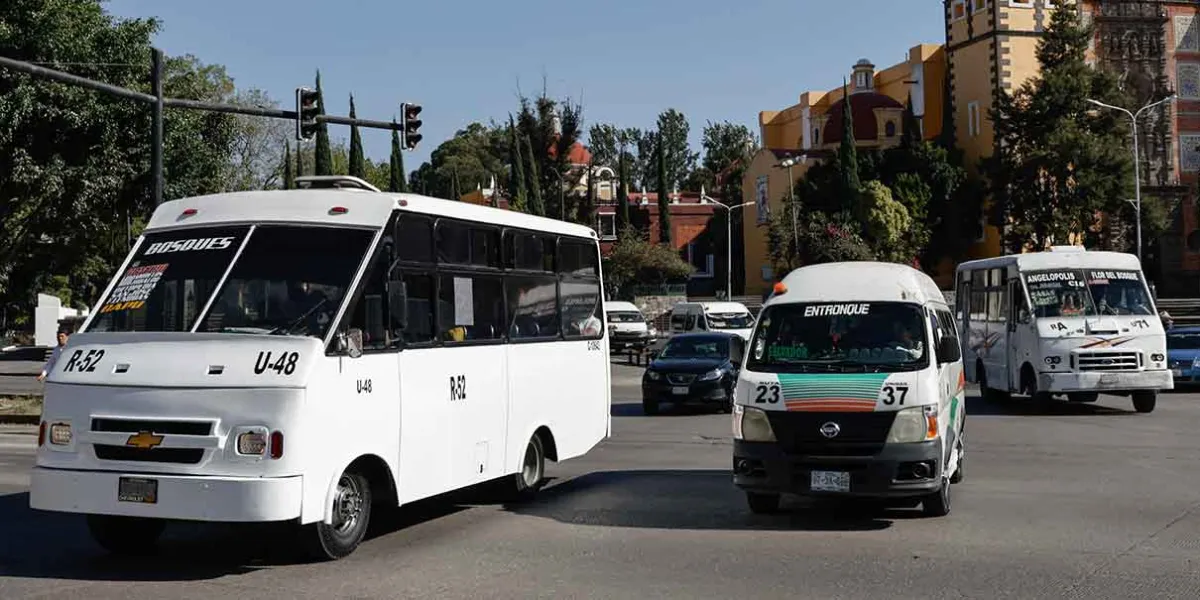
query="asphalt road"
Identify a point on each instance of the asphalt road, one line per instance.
(1085, 501)
(18, 378)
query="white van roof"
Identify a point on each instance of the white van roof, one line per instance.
(624, 306)
(858, 281)
(724, 307)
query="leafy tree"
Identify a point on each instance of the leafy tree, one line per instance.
(517, 184)
(1060, 162)
(848, 155)
(911, 135)
(664, 196)
(623, 217)
(888, 222)
(552, 128)
(358, 166)
(289, 176)
(536, 205)
(728, 149)
(673, 131)
(257, 143)
(473, 153)
(396, 182)
(323, 164)
(604, 142)
(634, 260)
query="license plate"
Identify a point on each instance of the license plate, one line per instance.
(136, 489)
(830, 481)
(1109, 379)
(679, 391)
(1177, 372)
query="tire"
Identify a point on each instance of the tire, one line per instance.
(988, 394)
(529, 479)
(351, 517)
(957, 477)
(649, 407)
(937, 504)
(1144, 402)
(762, 504)
(1083, 396)
(128, 536)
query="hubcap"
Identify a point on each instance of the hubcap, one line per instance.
(347, 506)
(530, 470)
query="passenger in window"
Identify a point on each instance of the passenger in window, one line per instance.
(309, 305)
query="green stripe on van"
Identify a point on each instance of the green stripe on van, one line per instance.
(864, 386)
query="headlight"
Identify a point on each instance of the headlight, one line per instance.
(251, 441)
(1156, 357)
(751, 424)
(1053, 360)
(711, 375)
(916, 424)
(60, 434)
(653, 375)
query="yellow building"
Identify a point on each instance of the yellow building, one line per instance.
(811, 131)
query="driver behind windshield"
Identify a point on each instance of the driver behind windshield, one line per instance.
(308, 305)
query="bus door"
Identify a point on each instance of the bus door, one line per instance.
(1022, 334)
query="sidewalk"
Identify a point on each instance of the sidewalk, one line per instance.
(20, 368)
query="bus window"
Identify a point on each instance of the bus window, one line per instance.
(578, 258)
(1118, 292)
(532, 307)
(529, 252)
(582, 308)
(414, 239)
(419, 328)
(470, 308)
(1058, 293)
(889, 336)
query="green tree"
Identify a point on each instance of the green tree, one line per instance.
(1060, 162)
(536, 205)
(517, 186)
(604, 142)
(664, 196)
(673, 131)
(634, 260)
(888, 222)
(358, 167)
(396, 182)
(323, 160)
(289, 177)
(911, 135)
(728, 150)
(622, 219)
(848, 157)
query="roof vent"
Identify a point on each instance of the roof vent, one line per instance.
(325, 182)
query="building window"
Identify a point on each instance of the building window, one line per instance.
(973, 119)
(606, 225)
(701, 259)
(1187, 79)
(979, 5)
(1187, 38)
(860, 80)
(958, 10)
(1189, 156)
(890, 129)
(1020, 4)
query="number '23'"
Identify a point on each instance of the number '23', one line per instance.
(767, 393)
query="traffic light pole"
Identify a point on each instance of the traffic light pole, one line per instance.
(159, 102)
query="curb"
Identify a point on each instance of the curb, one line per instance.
(20, 374)
(20, 419)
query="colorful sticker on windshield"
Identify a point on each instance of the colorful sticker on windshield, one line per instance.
(134, 288)
(1106, 276)
(837, 310)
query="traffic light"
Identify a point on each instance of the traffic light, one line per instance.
(306, 113)
(411, 124)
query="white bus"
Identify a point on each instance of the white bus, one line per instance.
(299, 355)
(1064, 321)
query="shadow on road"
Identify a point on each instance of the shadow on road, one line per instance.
(36, 544)
(1024, 406)
(634, 409)
(678, 499)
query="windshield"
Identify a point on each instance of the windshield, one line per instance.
(1118, 292)
(625, 317)
(880, 336)
(730, 320)
(1183, 341)
(289, 280)
(702, 348)
(1058, 293)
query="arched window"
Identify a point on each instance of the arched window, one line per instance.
(890, 129)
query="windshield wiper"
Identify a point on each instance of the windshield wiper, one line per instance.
(288, 329)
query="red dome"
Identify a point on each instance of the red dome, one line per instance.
(863, 108)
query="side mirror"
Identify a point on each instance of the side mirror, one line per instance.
(351, 343)
(948, 351)
(398, 302)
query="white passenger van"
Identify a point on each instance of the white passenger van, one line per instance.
(852, 387)
(300, 355)
(627, 327)
(1064, 321)
(727, 317)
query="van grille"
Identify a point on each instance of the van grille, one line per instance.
(185, 456)
(109, 425)
(1108, 361)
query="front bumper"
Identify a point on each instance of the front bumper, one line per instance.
(1185, 372)
(184, 497)
(1091, 381)
(635, 342)
(700, 392)
(767, 467)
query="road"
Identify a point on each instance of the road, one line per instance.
(1085, 501)
(18, 378)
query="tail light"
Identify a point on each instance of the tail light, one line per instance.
(42, 434)
(276, 444)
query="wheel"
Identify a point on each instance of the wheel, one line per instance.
(1083, 396)
(988, 394)
(762, 504)
(529, 479)
(1144, 402)
(937, 504)
(130, 536)
(351, 516)
(649, 407)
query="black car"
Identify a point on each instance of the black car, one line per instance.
(694, 368)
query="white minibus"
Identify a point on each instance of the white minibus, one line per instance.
(301, 355)
(1064, 321)
(852, 388)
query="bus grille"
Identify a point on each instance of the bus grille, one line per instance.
(1108, 361)
(185, 456)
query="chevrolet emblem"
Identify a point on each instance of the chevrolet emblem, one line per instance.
(144, 440)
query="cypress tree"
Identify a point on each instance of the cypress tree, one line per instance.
(289, 178)
(396, 182)
(912, 127)
(517, 169)
(622, 218)
(455, 191)
(664, 198)
(358, 167)
(848, 155)
(536, 205)
(322, 155)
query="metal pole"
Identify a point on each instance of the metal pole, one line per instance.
(728, 255)
(1137, 189)
(156, 152)
(792, 200)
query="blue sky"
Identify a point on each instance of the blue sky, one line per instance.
(465, 61)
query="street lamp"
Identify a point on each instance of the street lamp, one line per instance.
(789, 163)
(1137, 175)
(728, 240)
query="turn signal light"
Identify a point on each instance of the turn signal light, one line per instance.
(339, 210)
(780, 288)
(42, 434)
(931, 422)
(276, 444)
